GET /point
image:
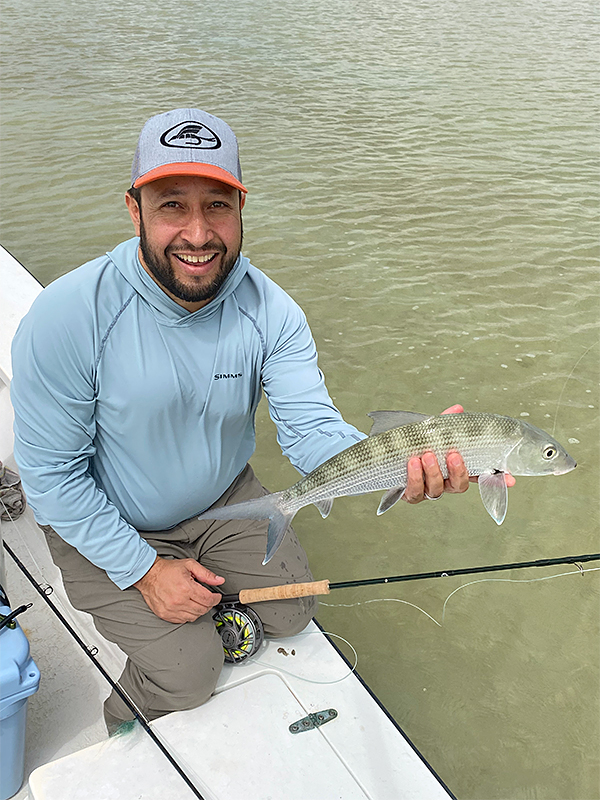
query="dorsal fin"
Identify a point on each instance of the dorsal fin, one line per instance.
(385, 420)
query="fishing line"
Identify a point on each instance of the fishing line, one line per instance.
(515, 580)
(311, 680)
(381, 600)
(91, 654)
(565, 383)
(581, 571)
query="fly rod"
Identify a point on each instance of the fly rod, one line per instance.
(291, 590)
(91, 654)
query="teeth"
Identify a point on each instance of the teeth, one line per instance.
(195, 259)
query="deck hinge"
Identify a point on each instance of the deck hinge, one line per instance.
(313, 720)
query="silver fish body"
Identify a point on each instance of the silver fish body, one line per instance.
(490, 445)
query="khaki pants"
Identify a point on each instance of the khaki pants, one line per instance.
(172, 667)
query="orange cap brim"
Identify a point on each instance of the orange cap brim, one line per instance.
(190, 168)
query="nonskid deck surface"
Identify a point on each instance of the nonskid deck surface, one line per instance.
(240, 740)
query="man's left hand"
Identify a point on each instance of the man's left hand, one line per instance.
(425, 479)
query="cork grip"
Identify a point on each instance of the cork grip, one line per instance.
(283, 592)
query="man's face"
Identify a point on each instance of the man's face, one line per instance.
(190, 233)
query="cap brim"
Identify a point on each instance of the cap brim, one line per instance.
(190, 168)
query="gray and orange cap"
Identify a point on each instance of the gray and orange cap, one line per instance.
(187, 141)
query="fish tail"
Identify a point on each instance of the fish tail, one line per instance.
(267, 507)
(277, 527)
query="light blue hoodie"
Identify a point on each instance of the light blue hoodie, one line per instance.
(132, 413)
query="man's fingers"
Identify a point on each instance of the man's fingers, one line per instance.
(202, 574)
(204, 599)
(415, 486)
(188, 610)
(457, 409)
(424, 477)
(200, 595)
(458, 477)
(434, 480)
(173, 590)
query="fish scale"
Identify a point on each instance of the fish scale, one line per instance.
(491, 445)
(380, 462)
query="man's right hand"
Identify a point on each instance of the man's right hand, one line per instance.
(173, 591)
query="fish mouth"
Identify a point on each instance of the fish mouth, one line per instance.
(570, 465)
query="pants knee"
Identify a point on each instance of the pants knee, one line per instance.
(286, 617)
(191, 676)
(192, 683)
(178, 672)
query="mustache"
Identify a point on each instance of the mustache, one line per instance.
(209, 247)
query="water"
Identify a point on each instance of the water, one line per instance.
(424, 181)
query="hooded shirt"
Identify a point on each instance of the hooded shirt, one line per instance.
(133, 414)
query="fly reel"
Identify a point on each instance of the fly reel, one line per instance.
(241, 631)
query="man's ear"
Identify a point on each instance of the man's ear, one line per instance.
(242, 200)
(134, 212)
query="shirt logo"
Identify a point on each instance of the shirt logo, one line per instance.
(220, 375)
(191, 134)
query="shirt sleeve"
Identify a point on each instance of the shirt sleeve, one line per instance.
(53, 395)
(310, 429)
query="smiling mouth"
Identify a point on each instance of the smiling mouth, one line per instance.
(204, 259)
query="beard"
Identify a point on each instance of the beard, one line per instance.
(193, 289)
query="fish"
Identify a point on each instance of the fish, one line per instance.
(491, 446)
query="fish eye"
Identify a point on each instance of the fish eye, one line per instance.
(549, 452)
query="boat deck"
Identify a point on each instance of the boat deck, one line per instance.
(240, 738)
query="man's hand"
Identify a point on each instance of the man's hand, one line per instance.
(425, 476)
(172, 590)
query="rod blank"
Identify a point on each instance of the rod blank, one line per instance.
(325, 587)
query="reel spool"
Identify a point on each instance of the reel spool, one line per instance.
(241, 631)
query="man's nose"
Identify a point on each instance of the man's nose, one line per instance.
(197, 229)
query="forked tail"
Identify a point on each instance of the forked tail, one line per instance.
(267, 507)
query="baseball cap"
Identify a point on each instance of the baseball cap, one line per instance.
(187, 141)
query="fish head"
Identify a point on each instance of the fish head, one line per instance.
(538, 453)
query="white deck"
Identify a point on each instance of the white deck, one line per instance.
(236, 745)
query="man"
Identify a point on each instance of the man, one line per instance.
(136, 382)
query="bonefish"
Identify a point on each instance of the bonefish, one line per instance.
(490, 445)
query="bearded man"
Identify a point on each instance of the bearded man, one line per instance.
(136, 381)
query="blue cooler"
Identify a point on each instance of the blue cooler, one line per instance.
(19, 678)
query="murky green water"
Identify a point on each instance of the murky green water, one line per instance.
(424, 181)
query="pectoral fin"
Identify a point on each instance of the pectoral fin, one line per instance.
(386, 420)
(494, 495)
(325, 507)
(389, 498)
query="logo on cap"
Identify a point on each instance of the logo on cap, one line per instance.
(191, 134)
